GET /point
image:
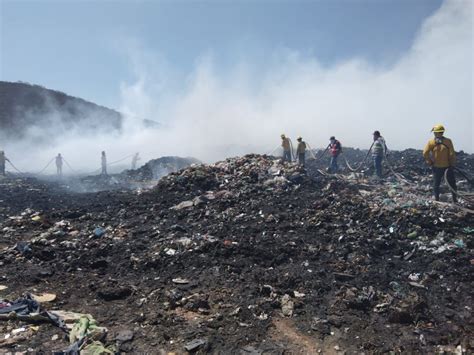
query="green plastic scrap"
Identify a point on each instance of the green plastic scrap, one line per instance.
(96, 348)
(468, 230)
(85, 326)
(412, 234)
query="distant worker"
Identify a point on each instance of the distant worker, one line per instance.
(59, 164)
(440, 155)
(3, 160)
(301, 151)
(104, 163)
(335, 149)
(285, 143)
(379, 150)
(135, 160)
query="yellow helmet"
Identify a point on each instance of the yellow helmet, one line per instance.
(439, 128)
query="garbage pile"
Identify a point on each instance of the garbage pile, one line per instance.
(157, 168)
(248, 255)
(408, 161)
(144, 177)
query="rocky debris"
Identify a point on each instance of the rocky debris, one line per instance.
(124, 335)
(257, 242)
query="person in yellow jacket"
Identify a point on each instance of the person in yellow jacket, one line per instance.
(301, 151)
(440, 155)
(286, 145)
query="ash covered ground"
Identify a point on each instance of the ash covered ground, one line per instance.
(245, 256)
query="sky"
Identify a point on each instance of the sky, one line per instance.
(227, 77)
(79, 47)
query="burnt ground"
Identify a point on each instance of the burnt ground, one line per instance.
(247, 256)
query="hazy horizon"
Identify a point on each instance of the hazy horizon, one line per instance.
(239, 95)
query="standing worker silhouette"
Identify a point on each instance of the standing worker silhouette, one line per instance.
(379, 150)
(440, 155)
(59, 164)
(301, 151)
(3, 160)
(135, 160)
(334, 149)
(285, 143)
(104, 163)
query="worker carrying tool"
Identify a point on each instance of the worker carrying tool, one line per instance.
(285, 143)
(440, 155)
(335, 149)
(301, 151)
(104, 163)
(59, 164)
(379, 150)
(3, 160)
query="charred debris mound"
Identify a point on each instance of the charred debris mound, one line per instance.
(246, 256)
(157, 168)
(144, 177)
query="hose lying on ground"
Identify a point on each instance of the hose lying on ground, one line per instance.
(354, 170)
(398, 176)
(467, 196)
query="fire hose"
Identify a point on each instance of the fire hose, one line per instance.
(120, 160)
(70, 167)
(293, 157)
(273, 151)
(398, 176)
(354, 170)
(46, 167)
(314, 156)
(467, 196)
(14, 167)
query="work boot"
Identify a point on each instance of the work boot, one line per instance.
(455, 198)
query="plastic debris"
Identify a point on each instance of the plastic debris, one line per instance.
(195, 344)
(180, 281)
(99, 232)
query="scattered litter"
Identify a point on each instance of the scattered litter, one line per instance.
(180, 281)
(194, 345)
(287, 306)
(99, 232)
(44, 297)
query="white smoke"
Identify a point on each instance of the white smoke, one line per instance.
(210, 115)
(247, 109)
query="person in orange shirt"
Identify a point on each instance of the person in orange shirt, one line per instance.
(440, 155)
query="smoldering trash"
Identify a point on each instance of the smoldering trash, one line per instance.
(247, 256)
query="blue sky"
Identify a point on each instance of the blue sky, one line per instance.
(75, 46)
